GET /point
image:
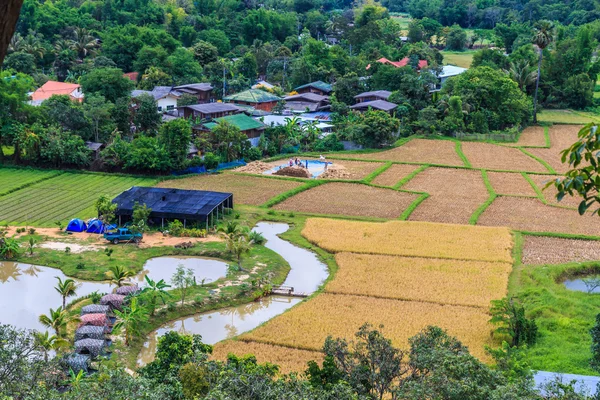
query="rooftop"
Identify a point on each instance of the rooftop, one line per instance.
(384, 94)
(51, 88)
(241, 121)
(310, 97)
(172, 203)
(252, 96)
(451, 70)
(211, 108)
(376, 105)
(402, 63)
(203, 86)
(325, 87)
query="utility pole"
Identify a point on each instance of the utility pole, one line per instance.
(223, 82)
(284, 70)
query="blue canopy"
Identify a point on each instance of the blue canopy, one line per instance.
(76, 225)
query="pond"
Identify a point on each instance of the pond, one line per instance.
(307, 274)
(315, 167)
(589, 284)
(27, 291)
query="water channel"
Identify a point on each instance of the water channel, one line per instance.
(27, 291)
(306, 274)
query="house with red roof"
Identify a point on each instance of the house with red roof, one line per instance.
(399, 64)
(51, 88)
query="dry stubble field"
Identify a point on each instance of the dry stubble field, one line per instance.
(394, 174)
(551, 250)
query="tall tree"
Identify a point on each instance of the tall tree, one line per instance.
(130, 320)
(118, 275)
(155, 289)
(57, 320)
(9, 10)
(66, 288)
(543, 36)
(175, 136)
(97, 109)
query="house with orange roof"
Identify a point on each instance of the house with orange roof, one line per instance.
(399, 64)
(51, 88)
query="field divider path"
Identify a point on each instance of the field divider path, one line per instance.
(290, 193)
(488, 202)
(543, 162)
(462, 155)
(540, 194)
(369, 178)
(408, 177)
(406, 214)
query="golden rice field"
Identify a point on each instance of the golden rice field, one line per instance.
(394, 174)
(469, 283)
(350, 199)
(455, 194)
(288, 359)
(423, 151)
(411, 238)
(308, 324)
(251, 190)
(511, 183)
(491, 156)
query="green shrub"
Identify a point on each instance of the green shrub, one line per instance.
(175, 228)
(211, 161)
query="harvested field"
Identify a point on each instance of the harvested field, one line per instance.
(550, 250)
(246, 189)
(511, 183)
(288, 359)
(468, 283)
(454, 194)
(532, 136)
(532, 215)
(355, 170)
(394, 174)
(307, 325)
(349, 199)
(550, 192)
(561, 137)
(413, 239)
(491, 156)
(423, 151)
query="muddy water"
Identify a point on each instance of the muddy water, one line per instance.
(219, 325)
(27, 291)
(306, 274)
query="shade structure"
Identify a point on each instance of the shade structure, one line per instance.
(192, 205)
(114, 301)
(127, 290)
(95, 309)
(90, 332)
(93, 347)
(76, 225)
(94, 320)
(78, 362)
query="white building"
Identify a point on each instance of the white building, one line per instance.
(448, 71)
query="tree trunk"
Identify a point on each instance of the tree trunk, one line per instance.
(537, 85)
(9, 14)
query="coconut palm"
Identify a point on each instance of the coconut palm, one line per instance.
(543, 36)
(130, 320)
(49, 342)
(33, 45)
(57, 319)
(156, 289)
(230, 229)
(31, 245)
(16, 43)
(66, 288)
(522, 72)
(118, 275)
(62, 45)
(238, 246)
(83, 44)
(9, 248)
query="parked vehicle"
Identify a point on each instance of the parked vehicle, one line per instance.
(122, 235)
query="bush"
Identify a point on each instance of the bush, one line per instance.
(253, 154)
(257, 237)
(328, 143)
(211, 161)
(289, 149)
(175, 228)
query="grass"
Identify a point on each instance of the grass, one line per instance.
(65, 196)
(567, 117)
(459, 58)
(15, 179)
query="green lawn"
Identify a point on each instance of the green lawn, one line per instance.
(458, 58)
(567, 117)
(60, 198)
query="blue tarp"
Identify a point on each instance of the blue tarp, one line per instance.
(76, 225)
(96, 226)
(202, 169)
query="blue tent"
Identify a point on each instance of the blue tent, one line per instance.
(76, 225)
(95, 226)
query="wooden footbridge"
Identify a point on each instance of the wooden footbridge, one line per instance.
(287, 291)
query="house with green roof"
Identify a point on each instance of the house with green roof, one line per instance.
(248, 125)
(318, 87)
(259, 99)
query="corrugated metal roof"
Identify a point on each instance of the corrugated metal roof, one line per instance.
(385, 94)
(325, 87)
(241, 121)
(252, 96)
(375, 104)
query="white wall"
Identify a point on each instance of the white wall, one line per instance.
(167, 103)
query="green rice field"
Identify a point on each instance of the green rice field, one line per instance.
(57, 198)
(567, 117)
(459, 58)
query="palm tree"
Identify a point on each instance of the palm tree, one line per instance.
(118, 275)
(131, 319)
(9, 248)
(49, 342)
(57, 319)
(231, 229)
(16, 43)
(156, 289)
(238, 246)
(62, 45)
(32, 44)
(31, 245)
(84, 44)
(543, 36)
(66, 288)
(522, 72)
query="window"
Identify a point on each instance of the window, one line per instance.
(159, 108)
(170, 107)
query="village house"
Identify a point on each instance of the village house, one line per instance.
(402, 63)
(50, 88)
(380, 105)
(318, 87)
(247, 125)
(166, 96)
(306, 102)
(372, 96)
(256, 98)
(202, 91)
(208, 110)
